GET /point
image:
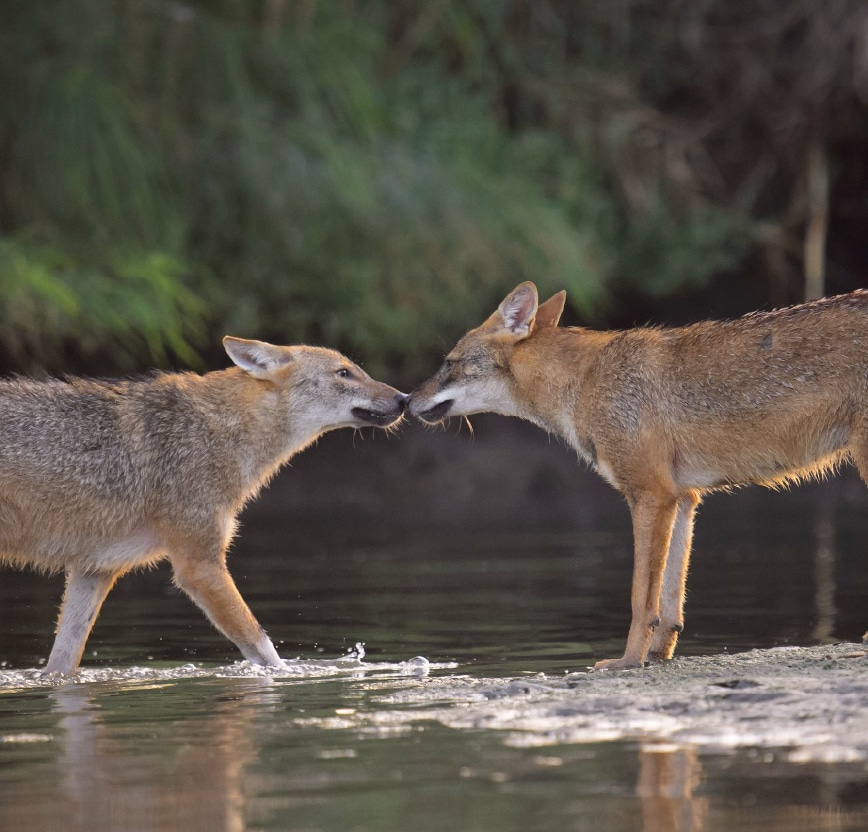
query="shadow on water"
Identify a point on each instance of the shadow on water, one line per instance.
(507, 566)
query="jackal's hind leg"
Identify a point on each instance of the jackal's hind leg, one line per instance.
(82, 599)
(674, 579)
(858, 449)
(859, 453)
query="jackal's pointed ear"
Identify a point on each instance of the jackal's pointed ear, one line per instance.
(516, 313)
(549, 313)
(256, 358)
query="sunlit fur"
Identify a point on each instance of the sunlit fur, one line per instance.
(666, 415)
(100, 477)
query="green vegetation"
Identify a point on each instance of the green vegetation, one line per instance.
(375, 175)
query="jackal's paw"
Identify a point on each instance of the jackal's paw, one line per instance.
(663, 642)
(624, 663)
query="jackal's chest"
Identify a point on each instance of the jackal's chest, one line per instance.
(586, 448)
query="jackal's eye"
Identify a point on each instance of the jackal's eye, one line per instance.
(344, 372)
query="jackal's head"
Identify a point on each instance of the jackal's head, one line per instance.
(320, 388)
(477, 375)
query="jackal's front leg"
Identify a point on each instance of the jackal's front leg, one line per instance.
(653, 518)
(674, 579)
(208, 583)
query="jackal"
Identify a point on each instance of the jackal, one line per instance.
(99, 477)
(666, 415)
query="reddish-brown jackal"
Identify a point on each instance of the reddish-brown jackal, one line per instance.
(99, 477)
(666, 415)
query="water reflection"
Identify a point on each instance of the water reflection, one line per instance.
(668, 778)
(119, 779)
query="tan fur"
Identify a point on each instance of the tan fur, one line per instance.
(666, 415)
(99, 477)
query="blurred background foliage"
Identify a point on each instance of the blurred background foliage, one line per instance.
(375, 174)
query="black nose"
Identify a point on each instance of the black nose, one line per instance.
(403, 399)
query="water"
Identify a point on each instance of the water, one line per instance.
(470, 708)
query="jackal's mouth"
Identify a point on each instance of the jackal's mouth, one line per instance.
(436, 413)
(376, 417)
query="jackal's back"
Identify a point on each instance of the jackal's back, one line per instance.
(107, 439)
(766, 361)
(58, 434)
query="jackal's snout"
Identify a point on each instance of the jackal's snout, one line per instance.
(426, 408)
(386, 414)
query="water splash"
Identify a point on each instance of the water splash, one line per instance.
(356, 653)
(351, 665)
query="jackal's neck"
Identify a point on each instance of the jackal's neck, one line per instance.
(550, 371)
(249, 422)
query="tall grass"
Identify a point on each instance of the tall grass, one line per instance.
(372, 175)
